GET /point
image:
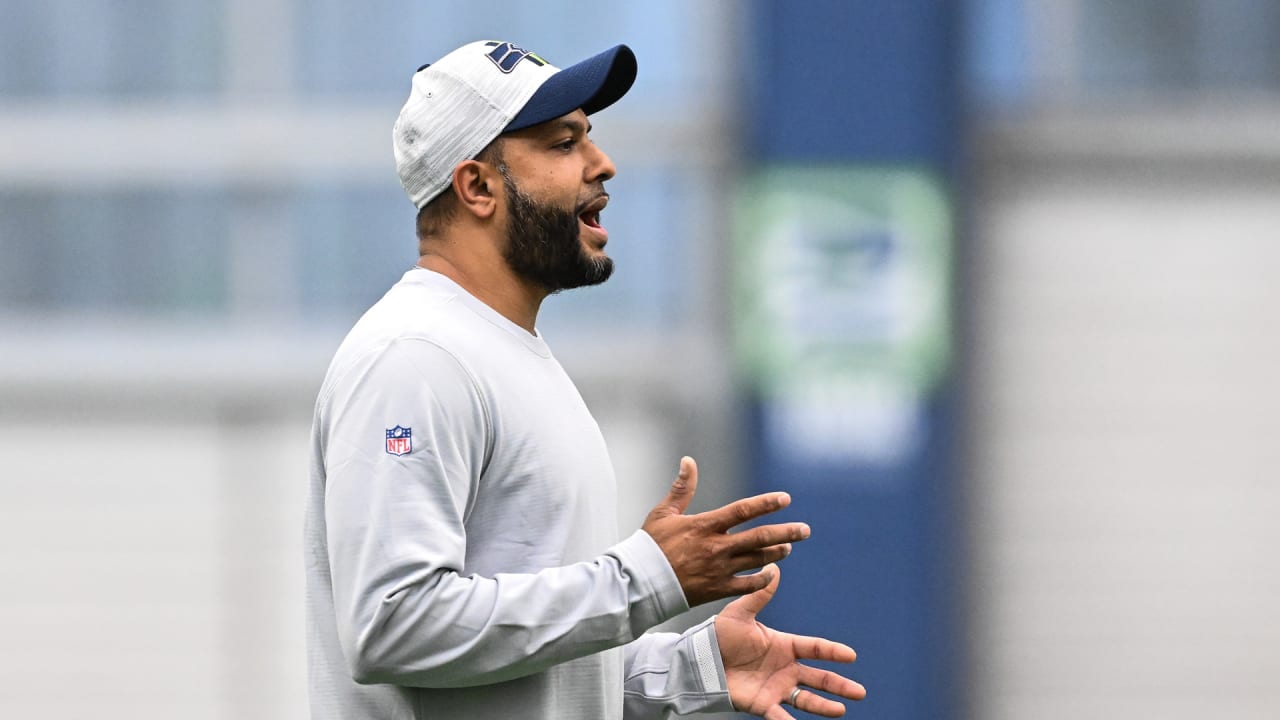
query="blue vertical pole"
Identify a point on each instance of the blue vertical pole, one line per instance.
(867, 84)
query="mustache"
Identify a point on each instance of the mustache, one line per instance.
(592, 197)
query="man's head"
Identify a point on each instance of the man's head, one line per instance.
(492, 115)
(553, 232)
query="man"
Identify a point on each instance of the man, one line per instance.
(463, 559)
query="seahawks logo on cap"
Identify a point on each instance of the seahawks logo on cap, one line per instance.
(507, 56)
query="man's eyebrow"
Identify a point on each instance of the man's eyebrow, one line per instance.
(575, 126)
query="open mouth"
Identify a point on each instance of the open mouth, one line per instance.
(590, 215)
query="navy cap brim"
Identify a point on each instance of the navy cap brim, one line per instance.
(593, 85)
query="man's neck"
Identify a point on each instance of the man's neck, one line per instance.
(494, 285)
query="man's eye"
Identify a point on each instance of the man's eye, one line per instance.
(566, 145)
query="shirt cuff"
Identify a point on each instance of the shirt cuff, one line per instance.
(645, 563)
(709, 665)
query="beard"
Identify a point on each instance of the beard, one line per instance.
(544, 247)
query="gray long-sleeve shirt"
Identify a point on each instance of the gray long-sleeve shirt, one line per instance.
(462, 553)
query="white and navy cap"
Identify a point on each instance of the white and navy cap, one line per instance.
(458, 105)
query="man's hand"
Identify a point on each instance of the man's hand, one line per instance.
(762, 665)
(705, 557)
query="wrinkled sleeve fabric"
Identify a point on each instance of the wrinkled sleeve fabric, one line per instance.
(397, 541)
(675, 674)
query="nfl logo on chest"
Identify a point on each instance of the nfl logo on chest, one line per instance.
(399, 440)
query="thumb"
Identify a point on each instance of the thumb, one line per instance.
(748, 606)
(682, 489)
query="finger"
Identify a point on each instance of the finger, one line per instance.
(742, 562)
(754, 600)
(682, 490)
(740, 511)
(744, 584)
(767, 535)
(777, 713)
(812, 702)
(814, 648)
(831, 683)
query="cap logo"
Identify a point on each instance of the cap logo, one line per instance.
(507, 56)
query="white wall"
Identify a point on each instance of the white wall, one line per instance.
(1125, 370)
(151, 569)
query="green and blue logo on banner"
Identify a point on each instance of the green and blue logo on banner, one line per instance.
(842, 304)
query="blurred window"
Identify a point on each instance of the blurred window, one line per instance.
(1180, 45)
(139, 48)
(1027, 52)
(184, 217)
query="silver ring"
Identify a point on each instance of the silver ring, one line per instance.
(794, 694)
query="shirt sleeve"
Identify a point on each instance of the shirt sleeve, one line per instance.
(669, 673)
(396, 534)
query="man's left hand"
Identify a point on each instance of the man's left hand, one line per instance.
(763, 665)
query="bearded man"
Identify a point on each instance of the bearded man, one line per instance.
(463, 556)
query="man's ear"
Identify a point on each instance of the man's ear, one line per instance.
(475, 186)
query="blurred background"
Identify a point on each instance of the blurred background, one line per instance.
(989, 285)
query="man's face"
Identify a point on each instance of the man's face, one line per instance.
(554, 236)
(544, 243)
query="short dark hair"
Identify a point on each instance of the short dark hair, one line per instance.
(433, 216)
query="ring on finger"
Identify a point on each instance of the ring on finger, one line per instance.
(794, 694)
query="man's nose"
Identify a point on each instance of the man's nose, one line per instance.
(601, 168)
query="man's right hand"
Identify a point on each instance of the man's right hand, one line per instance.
(705, 556)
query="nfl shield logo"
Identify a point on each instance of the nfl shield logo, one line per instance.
(399, 440)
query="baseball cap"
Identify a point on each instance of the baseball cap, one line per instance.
(460, 103)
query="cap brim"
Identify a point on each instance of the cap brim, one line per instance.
(593, 85)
